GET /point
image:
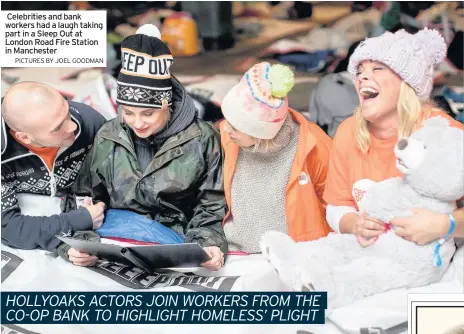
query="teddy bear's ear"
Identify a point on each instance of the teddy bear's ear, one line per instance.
(437, 121)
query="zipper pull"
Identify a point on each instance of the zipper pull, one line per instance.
(52, 185)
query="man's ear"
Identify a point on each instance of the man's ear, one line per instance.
(23, 137)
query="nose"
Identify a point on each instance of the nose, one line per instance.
(402, 144)
(138, 123)
(364, 75)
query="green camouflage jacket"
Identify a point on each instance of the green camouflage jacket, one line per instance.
(182, 187)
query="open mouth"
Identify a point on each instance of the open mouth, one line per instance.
(368, 93)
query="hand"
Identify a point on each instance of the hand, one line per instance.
(367, 229)
(97, 212)
(81, 259)
(217, 258)
(423, 227)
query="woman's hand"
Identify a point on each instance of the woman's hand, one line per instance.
(81, 259)
(423, 227)
(367, 229)
(217, 258)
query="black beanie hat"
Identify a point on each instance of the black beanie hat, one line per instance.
(145, 79)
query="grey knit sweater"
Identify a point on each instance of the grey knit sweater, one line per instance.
(258, 190)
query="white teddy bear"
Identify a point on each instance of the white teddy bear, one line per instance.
(432, 161)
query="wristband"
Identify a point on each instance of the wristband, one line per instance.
(442, 240)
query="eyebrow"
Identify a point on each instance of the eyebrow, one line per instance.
(361, 67)
(127, 110)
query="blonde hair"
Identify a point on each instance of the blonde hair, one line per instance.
(411, 112)
(266, 145)
(278, 142)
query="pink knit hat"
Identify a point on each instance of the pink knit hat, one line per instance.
(412, 57)
(258, 104)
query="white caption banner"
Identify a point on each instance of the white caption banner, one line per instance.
(53, 39)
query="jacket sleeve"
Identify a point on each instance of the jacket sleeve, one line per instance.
(318, 162)
(205, 227)
(30, 232)
(338, 189)
(88, 181)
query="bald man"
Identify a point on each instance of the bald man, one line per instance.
(44, 140)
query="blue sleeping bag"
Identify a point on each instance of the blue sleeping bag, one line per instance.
(130, 225)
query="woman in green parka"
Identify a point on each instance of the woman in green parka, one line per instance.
(156, 158)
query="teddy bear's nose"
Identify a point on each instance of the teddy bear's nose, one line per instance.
(402, 144)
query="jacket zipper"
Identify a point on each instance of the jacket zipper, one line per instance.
(50, 172)
(157, 154)
(53, 185)
(166, 149)
(168, 205)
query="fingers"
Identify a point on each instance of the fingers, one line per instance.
(372, 219)
(399, 222)
(211, 261)
(75, 253)
(212, 266)
(366, 242)
(371, 225)
(84, 262)
(407, 235)
(100, 208)
(217, 258)
(81, 259)
(367, 228)
(371, 233)
(101, 205)
(98, 221)
(100, 217)
(97, 212)
(402, 232)
(208, 251)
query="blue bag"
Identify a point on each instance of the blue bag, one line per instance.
(130, 225)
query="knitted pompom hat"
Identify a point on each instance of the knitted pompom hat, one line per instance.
(145, 77)
(412, 57)
(258, 104)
